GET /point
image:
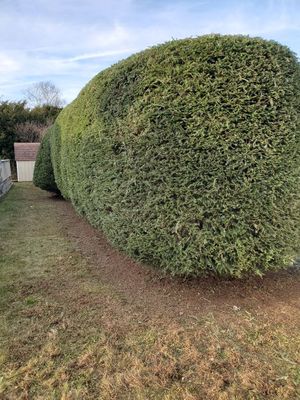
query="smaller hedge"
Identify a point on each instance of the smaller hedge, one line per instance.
(43, 176)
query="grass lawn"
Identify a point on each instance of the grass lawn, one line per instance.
(74, 324)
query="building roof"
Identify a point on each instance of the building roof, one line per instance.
(26, 151)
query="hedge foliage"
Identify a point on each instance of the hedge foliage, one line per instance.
(187, 155)
(43, 175)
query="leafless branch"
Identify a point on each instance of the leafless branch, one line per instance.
(44, 93)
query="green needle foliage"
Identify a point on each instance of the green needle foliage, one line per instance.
(43, 175)
(187, 155)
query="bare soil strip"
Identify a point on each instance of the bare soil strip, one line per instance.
(277, 294)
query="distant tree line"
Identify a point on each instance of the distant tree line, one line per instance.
(28, 120)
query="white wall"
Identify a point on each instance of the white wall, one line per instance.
(25, 170)
(4, 170)
(5, 176)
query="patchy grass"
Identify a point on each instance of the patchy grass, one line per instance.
(66, 335)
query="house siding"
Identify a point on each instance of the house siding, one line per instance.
(25, 170)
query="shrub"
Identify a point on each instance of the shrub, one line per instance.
(187, 155)
(43, 175)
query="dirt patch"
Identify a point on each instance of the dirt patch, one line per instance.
(276, 294)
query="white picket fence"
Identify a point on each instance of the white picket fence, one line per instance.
(5, 176)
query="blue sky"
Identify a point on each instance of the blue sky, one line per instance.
(69, 41)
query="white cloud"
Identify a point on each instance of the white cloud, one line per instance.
(110, 38)
(89, 56)
(68, 41)
(8, 64)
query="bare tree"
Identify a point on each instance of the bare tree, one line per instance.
(44, 93)
(30, 131)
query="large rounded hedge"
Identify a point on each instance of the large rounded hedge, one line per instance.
(187, 155)
(43, 175)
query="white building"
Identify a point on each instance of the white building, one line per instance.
(25, 155)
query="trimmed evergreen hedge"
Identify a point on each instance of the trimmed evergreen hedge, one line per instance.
(43, 175)
(187, 155)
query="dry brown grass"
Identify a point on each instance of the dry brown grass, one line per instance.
(66, 335)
